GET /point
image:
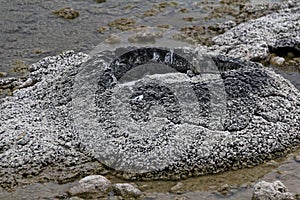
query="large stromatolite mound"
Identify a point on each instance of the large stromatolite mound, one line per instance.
(177, 123)
(231, 115)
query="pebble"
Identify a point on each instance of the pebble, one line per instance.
(66, 13)
(3, 74)
(277, 61)
(113, 39)
(297, 158)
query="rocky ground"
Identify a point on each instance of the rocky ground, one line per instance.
(41, 134)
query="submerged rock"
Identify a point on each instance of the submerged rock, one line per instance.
(126, 190)
(66, 13)
(277, 61)
(264, 191)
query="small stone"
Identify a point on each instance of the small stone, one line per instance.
(126, 190)
(272, 163)
(297, 59)
(113, 39)
(23, 138)
(178, 188)
(66, 13)
(297, 158)
(277, 61)
(224, 189)
(292, 63)
(27, 83)
(91, 184)
(102, 29)
(180, 198)
(264, 190)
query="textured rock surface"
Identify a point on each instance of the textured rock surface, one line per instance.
(35, 128)
(264, 191)
(38, 128)
(253, 39)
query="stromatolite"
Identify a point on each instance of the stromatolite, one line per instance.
(169, 125)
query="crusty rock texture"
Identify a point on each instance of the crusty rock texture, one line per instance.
(57, 122)
(253, 39)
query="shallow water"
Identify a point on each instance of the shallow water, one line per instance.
(29, 32)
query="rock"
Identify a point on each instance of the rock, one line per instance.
(66, 13)
(297, 158)
(123, 24)
(277, 61)
(102, 29)
(224, 189)
(253, 39)
(264, 191)
(27, 83)
(126, 190)
(100, 1)
(91, 184)
(113, 39)
(3, 74)
(178, 188)
(272, 163)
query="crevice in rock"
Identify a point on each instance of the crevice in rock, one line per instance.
(286, 51)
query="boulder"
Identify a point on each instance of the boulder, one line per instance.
(91, 184)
